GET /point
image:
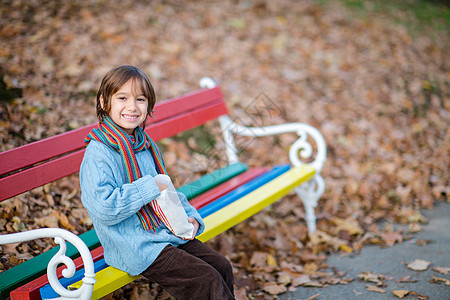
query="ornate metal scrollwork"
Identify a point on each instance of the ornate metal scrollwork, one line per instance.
(61, 236)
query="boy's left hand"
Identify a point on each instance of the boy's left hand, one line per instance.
(196, 226)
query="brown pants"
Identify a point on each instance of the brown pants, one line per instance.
(192, 271)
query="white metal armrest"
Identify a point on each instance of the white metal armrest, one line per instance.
(310, 191)
(61, 236)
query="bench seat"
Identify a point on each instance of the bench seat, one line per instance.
(216, 198)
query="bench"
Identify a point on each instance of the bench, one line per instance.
(224, 197)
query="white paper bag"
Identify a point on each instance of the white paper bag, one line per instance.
(169, 209)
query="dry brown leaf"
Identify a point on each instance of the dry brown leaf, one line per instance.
(313, 284)
(300, 280)
(414, 228)
(372, 277)
(418, 265)
(314, 297)
(241, 294)
(271, 261)
(349, 225)
(436, 279)
(47, 221)
(346, 248)
(356, 292)
(400, 293)
(284, 278)
(275, 289)
(442, 270)
(374, 288)
(390, 238)
(310, 268)
(406, 279)
(24, 256)
(259, 259)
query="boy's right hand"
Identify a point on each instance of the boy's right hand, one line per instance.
(161, 186)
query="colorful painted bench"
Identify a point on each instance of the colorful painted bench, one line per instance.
(224, 198)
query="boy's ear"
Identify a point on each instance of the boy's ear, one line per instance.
(102, 104)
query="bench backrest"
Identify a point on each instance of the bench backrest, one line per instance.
(41, 162)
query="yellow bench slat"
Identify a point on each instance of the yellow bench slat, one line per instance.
(111, 279)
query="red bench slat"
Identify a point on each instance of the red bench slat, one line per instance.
(186, 121)
(228, 186)
(47, 172)
(179, 105)
(42, 150)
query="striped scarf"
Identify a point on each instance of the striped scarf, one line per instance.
(113, 136)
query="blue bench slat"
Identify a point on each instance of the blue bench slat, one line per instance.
(242, 190)
(47, 292)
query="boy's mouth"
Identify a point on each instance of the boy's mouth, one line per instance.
(130, 117)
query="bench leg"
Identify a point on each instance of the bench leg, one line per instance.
(310, 192)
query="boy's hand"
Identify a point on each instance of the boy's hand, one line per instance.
(161, 186)
(196, 226)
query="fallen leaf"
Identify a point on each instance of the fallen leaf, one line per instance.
(24, 256)
(400, 293)
(346, 248)
(349, 225)
(62, 219)
(271, 261)
(374, 288)
(259, 259)
(314, 297)
(356, 292)
(47, 221)
(435, 279)
(300, 280)
(418, 265)
(406, 279)
(423, 242)
(442, 270)
(414, 228)
(313, 284)
(284, 278)
(372, 277)
(310, 268)
(241, 294)
(275, 289)
(390, 238)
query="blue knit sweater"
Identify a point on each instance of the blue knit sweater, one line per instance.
(112, 205)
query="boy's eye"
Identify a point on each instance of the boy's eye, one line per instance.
(142, 99)
(122, 98)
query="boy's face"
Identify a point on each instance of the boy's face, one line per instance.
(128, 107)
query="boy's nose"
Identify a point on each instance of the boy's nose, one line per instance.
(131, 105)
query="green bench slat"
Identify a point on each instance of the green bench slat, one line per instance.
(211, 180)
(37, 266)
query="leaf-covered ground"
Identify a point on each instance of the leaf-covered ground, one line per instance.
(377, 90)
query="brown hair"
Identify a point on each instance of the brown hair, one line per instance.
(115, 79)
